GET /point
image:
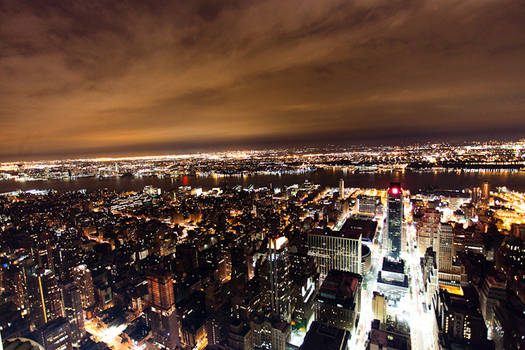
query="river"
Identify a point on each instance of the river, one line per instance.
(327, 177)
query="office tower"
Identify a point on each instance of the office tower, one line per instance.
(485, 191)
(325, 337)
(446, 234)
(305, 284)
(239, 267)
(428, 231)
(379, 306)
(392, 280)
(239, 335)
(187, 257)
(335, 250)
(430, 279)
(270, 334)
(367, 204)
(162, 316)
(394, 220)
(341, 188)
(84, 282)
(338, 302)
(45, 296)
(56, 335)
(14, 281)
(460, 319)
(73, 311)
(276, 279)
(492, 292)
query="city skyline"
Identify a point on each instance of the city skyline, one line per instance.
(152, 77)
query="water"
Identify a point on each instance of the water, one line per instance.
(412, 180)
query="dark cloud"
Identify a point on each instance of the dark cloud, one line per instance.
(95, 77)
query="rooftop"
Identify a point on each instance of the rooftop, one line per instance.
(340, 287)
(325, 337)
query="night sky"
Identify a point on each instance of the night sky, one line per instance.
(119, 77)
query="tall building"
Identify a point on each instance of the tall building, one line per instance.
(460, 320)
(394, 220)
(338, 302)
(446, 235)
(45, 296)
(341, 188)
(428, 230)
(56, 335)
(368, 204)
(73, 311)
(84, 282)
(428, 265)
(277, 281)
(162, 316)
(335, 250)
(485, 191)
(379, 306)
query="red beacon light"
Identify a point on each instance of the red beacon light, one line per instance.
(394, 190)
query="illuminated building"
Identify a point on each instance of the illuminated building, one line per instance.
(321, 336)
(446, 235)
(509, 324)
(162, 316)
(103, 295)
(394, 221)
(73, 311)
(84, 282)
(240, 336)
(485, 191)
(367, 204)
(460, 320)
(56, 335)
(492, 292)
(338, 301)
(341, 188)
(430, 277)
(45, 296)
(366, 259)
(15, 286)
(392, 280)
(379, 306)
(305, 283)
(276, 281)
(428, 230)
(270, 334)
(335, 250)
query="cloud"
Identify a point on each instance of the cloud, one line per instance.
(100, 76)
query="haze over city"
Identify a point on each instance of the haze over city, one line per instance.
(148, 77)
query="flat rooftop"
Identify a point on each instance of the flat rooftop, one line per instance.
(325, 337)
(340, 287)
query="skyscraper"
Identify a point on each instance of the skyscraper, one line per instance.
(277, 278)
(45, 296)
(394, 219)
(73, 311)
(162, 316)
(335, 250)
(341, 189)
(446, 235)
(428, 231)
(485, 191)
(84, 283)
